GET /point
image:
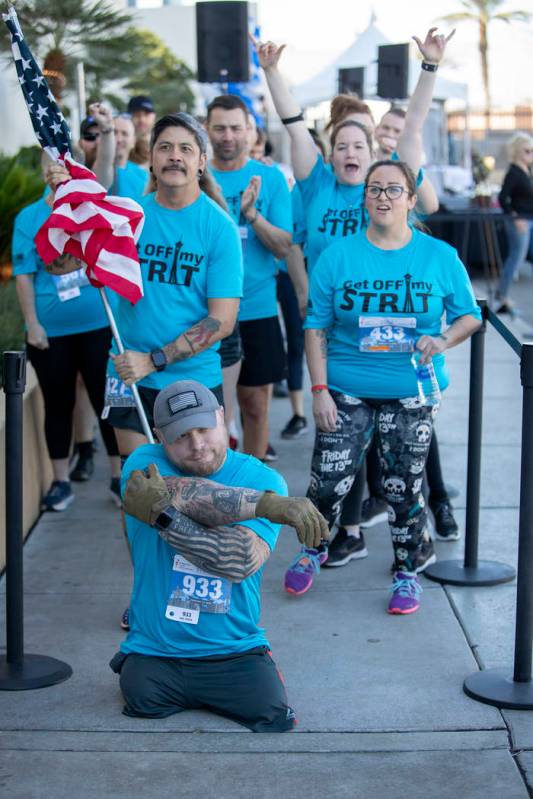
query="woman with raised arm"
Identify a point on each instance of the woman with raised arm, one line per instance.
(374, 323)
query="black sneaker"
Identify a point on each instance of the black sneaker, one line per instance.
(345, 548)
(271, 455)
(58, 497)
(425, 558)
(446, 528)
(374, 511)
(297, 426)
(83, 470)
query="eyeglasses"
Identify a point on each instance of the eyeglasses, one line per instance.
(390, 192)
(91, 136)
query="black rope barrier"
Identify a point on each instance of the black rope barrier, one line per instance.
(472, 571)
(504, 332)
(19, 672)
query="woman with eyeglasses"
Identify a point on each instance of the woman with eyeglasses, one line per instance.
(375, 309)
(516, 199)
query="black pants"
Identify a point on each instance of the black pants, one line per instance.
(294, 330)
(245, 687)
(57, 368)
(403, 433)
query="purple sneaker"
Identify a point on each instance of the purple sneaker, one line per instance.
(299, 575)
(406, 591)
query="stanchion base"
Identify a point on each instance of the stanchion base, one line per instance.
(497, 687)
(35, 671)
(453, 572)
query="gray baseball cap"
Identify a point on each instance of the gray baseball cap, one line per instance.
(182, 406)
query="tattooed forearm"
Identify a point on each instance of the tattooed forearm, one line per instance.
(323, 339)
(232, 552)
(211, 503)
(194, 340)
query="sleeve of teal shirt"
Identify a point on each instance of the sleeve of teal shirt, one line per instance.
(23, 252)
(460, 299)
(225, 269)
(311, 184)
(320, 310)
(279, 212)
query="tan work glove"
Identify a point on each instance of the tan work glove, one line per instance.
(298, 512)
(146, 495)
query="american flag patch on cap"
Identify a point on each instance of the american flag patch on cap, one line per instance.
(182, 402)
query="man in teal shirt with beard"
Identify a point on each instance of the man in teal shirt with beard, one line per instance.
(259, 201)
(201, 521)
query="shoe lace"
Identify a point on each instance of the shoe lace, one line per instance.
(307, 558)
(406, 586)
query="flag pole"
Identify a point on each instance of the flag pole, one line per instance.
(120, 348)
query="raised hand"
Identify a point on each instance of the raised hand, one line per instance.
(102, 115)
(433, 46)
(267, 52)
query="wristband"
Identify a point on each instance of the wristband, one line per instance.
(429, 67)
(289, 120)
(254, 220)
(317, 388)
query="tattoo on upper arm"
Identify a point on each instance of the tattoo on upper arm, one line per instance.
(212, 503)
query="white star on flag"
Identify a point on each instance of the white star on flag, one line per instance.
(56, 127)
(25, 64)
(38, 80)
(41, 112)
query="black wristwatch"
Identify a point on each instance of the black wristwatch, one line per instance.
(159, 359)
(165, 518)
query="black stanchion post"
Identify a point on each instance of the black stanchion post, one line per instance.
(500, 687)
(17, 670)
(472, 571)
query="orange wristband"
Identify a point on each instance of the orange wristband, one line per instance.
(317, 388)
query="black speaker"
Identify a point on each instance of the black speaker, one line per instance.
(222, 45)
(393, 71)
(352, 81)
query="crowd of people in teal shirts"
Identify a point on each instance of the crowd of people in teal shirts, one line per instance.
(229, 238)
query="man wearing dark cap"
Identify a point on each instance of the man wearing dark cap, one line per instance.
(201, 521)
(142, 113)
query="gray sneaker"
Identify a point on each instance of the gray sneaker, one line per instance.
(374, 511)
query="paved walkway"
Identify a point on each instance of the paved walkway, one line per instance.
(379, 698)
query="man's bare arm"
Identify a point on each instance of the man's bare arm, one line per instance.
(231, 552)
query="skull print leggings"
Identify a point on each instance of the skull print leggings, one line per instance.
(403, 429)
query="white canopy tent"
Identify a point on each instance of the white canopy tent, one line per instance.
(363, 52)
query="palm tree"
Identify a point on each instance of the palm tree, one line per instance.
(60, 31)
(483, 12)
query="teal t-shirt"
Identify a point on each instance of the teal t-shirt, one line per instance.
(332, 210)
(130, 181)
(354, 279)
(64, 304)
(187, 257)
(152, 632)
(299, 229)
(274, 203)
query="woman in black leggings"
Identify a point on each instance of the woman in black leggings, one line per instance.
(67, 333)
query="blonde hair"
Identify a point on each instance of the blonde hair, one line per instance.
(515, 142)
(343, 105)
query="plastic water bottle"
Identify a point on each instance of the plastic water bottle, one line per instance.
(428, 385)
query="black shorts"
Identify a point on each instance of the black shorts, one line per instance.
(245, 687)
(128, 418)
(264, 354)
(230, 350)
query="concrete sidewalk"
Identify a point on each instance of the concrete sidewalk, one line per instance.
(379, 699)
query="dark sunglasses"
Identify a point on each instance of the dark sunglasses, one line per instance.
(90, 136)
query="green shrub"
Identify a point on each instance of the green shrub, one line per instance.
(20, 184)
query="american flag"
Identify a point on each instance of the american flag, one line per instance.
(99, 230)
